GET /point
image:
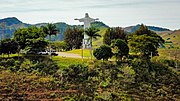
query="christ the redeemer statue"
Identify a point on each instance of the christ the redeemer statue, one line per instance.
(87, 23)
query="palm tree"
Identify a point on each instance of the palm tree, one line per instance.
(92, 33)
(50, 29)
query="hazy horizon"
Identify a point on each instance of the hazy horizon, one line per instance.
(161, 13)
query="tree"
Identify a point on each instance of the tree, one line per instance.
(36, 45)
(8, 46)
(145, 42)
(113, 34)
(30, 39)
(92, 33)
(103, 52)
(50, 29)
(59, 45)
(120, 49)
(73, 38)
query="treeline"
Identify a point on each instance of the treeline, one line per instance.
(31, 40)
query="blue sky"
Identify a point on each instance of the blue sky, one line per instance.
(162, 13)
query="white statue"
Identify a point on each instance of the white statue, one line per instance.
(87, 23)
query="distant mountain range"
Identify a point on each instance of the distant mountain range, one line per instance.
(132, 29)
(9, 25)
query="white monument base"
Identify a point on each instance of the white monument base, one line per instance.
(86, 44)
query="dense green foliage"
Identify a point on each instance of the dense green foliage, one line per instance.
(8, 46)
(31, 39)
(136, 80)
(30, 64)
(145, 42)
(59, 46)
(140, 80)
(73, 38)
(103, 52)
(50, 29)
(120, 49)
(113, 34)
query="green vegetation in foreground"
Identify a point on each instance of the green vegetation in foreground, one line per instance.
(134, 80)
(11, 55)
(64, 62)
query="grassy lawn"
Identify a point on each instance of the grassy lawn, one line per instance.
(173, 37)
(64, 62)
(86, 52)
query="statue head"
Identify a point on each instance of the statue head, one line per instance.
(86, 15)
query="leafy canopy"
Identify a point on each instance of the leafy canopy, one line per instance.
(31, 38)
(73, 38)
(50, 29)
(120, 48)
(113, 34)
(8, 46)
(103, 52)
(92, 33)
(145, 42)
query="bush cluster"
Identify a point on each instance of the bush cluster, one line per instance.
(29, 64)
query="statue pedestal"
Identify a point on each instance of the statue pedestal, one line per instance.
(86, 44)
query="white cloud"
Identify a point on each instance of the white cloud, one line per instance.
(113, 12)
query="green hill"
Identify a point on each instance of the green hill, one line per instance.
(172, 38)
(132, 29)
(9, 25)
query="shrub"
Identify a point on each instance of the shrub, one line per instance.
(164, 61)
(47, 68)
(7, 63)
(103, 52)
(76, 73)
(120, 49)
(10, 62)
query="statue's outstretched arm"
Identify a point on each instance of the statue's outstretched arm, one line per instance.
(80, 20)
(76, 19)
(93, 20)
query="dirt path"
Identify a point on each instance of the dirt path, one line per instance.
(65, 54)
